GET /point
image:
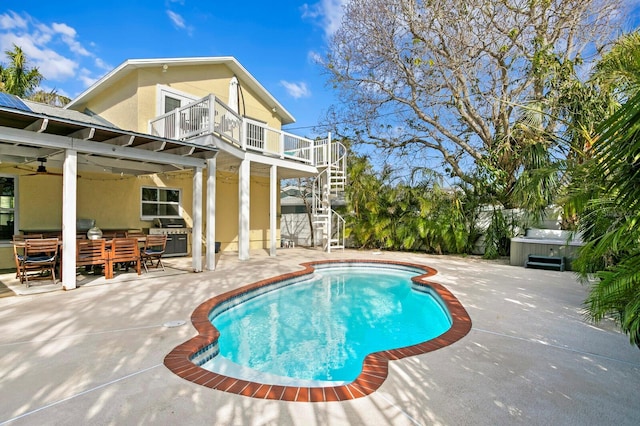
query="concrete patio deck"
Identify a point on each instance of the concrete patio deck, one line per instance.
(94, 355)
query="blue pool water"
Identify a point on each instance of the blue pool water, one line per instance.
(322, 329)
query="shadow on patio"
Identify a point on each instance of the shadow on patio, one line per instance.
(95, 355)
(11, 286)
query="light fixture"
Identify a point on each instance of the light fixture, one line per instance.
(273, 109)
(165, 67)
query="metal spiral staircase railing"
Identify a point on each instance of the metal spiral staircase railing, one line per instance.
(331, 158)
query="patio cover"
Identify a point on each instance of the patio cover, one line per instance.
(77, 142)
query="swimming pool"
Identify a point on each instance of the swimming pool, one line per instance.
(321, 329)
(242, 361)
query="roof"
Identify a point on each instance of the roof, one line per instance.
(31, 130)
(133, 64)
(68, 114)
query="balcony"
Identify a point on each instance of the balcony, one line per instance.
(210, 115)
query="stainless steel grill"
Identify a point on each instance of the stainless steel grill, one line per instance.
(177, 234)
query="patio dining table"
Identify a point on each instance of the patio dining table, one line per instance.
(108, 269)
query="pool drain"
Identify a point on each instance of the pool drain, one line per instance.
(177, 323)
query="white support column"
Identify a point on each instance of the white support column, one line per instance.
(244, 207)
(196, 236)
(273, 207)
(69, 203)
(210, 259)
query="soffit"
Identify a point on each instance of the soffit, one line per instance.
(26, 136)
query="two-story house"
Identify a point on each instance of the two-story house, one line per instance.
(195, 142)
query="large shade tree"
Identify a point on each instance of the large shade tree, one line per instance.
(468, 86)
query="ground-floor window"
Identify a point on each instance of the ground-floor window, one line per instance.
(7, 206)
(160, 202)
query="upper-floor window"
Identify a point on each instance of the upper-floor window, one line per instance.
(160, 202)
(171, 103)
(8, 191)
(170, 99)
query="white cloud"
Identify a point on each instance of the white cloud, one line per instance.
(12, 20)
(327, 13)
(296, 90)
(86, 77)
(51, 64)
(179, 21)
(103, 65)
(53, 48)
(63, 29)
(314, 57)
(54, 66)
(68, 36)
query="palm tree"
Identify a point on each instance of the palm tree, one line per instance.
(619, 70)
(49, 98)
(611, 222)
(609, 200)
(16, 77)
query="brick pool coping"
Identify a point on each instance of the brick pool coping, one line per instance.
(375, 365)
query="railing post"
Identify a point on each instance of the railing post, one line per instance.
(176, 124)
(312, 152)
(243, 135)
(241, 129)
(212, 113)
(281, 147)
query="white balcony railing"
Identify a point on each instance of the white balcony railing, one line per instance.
(194, 119)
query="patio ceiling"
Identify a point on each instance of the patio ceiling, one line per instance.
(26, 136)
(229, 163)
(230, 156)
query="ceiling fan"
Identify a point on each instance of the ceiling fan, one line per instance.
(42, 170)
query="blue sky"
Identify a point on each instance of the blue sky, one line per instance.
(74, 43)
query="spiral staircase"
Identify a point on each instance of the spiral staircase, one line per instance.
(328, 186)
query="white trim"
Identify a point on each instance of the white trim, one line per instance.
(246, 79)
(159, 188)
(281, 163)
(92, 147)
(163, 90)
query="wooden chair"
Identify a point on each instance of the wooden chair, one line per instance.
(23, 237)
(40, 255)
(154, 247)
(109, 235)
(91, 253)
(18, 249)
(134, 234)
(123, 250)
